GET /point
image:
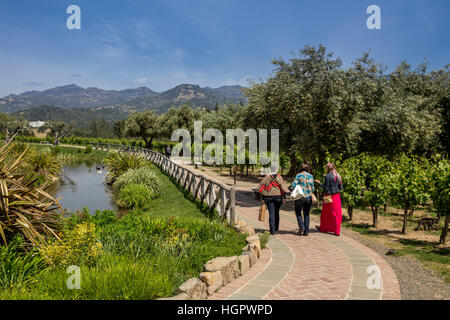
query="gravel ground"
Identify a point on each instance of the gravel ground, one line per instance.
(416, 282)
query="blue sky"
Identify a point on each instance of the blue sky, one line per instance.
(162, 43)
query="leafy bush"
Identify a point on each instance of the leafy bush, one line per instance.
(45, 163)
(17, 268)
(119, 163)
(88, 150)
(134, 196)
(77, 246)
(196, 239)
(56, 150)
(139, 176)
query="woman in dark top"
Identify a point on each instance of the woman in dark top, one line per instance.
(331, 217)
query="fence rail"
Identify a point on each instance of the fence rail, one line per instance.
(216, 195)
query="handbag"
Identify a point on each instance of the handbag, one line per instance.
(297, 193)
(327, 199)
(313, 196)
(262, 212)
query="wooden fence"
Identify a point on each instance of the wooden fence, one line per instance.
(216, 195)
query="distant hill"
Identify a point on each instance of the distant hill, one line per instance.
(190, 94)
(70, 97)
(123, 101)
(80, 116)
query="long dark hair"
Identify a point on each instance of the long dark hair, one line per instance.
(305, 167)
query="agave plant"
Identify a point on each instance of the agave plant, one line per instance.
(24, 208)
(119, 163)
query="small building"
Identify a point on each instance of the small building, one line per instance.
(36, 124)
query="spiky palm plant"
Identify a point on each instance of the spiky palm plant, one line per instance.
(45, 163)
(119, 163)
(24, 208)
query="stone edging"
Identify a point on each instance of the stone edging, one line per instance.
(220, 271)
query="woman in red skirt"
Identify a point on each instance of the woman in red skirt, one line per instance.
(331, 217)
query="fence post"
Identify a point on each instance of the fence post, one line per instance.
(232, 205)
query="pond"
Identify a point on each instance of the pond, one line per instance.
(83, 186)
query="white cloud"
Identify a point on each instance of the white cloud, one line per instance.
(140, 81)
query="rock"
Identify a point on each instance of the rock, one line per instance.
(213, 281)
(253, 256)
(194, 289)
(238, 225)
(247, 230)
(228, 266)
(181, 296)
(253, 241)
(244, 260)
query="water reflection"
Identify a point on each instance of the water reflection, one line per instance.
(83, 186)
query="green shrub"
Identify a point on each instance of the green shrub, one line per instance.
(17, 268)
(119, 163)
(139, 176)
(56, 150)
(88, 150)
(77, 246)
(113, 278)
(196, 239)
(134, 196)
(264, 238)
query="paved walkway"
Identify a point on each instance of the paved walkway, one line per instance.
(320, 266)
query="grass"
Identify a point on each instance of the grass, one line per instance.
(173, 201)
(431, 256)
(437, 259)
(146, 254)
(264, 238)
(73, 155)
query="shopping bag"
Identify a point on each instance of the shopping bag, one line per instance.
(262, 212)
(297, 193)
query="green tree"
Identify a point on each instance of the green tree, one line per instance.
(406, 117)
(440, 193)
(376, 181)
(144, 125)
(313, 102)
(408, 185)
(11, 126)
(353, 182)
(181, 117)
(59, 129)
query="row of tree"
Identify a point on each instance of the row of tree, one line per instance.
(405, 181)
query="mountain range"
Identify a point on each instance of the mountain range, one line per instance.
(123, 101)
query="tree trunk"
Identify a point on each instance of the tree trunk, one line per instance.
(411, 212)
(374, 216)
(385, 207)
(405, 215)
(56, 140)
(293, 168)
(445, 229)
(148, 143)
(350, 212)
